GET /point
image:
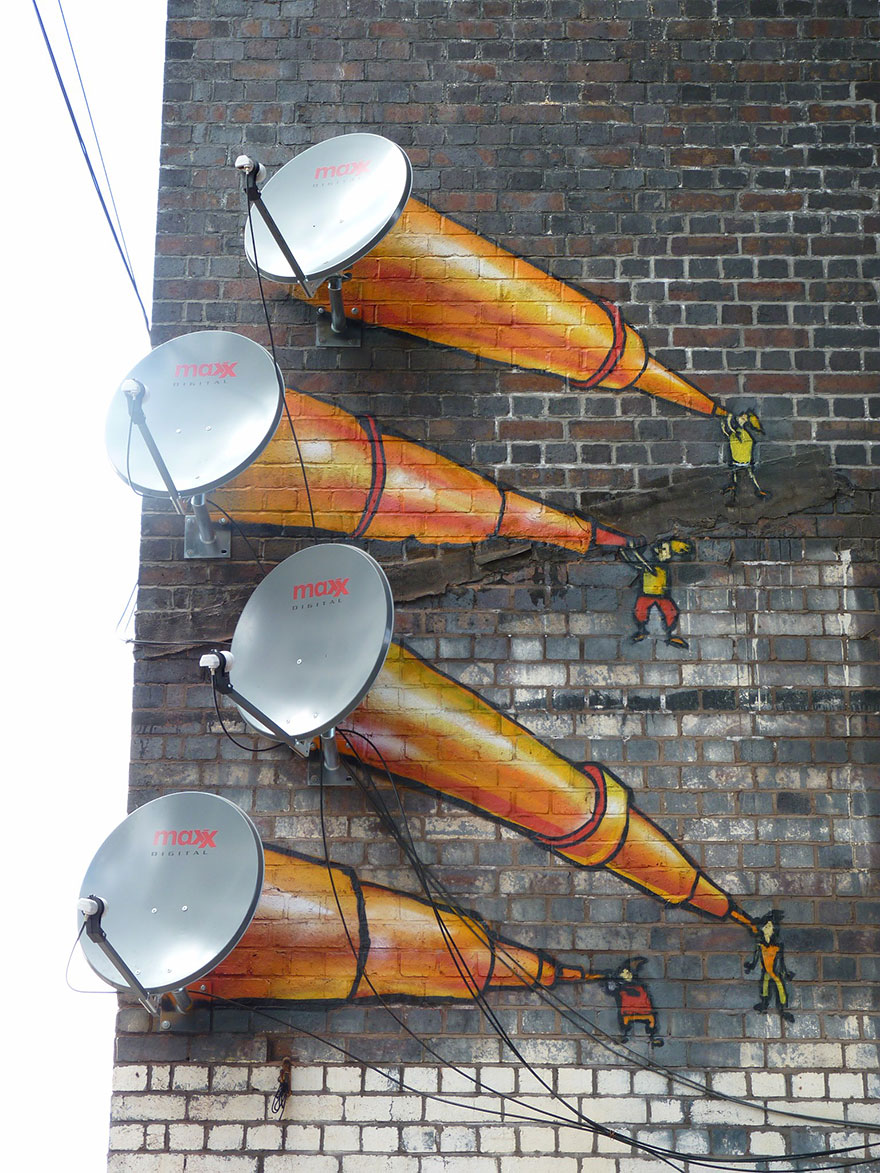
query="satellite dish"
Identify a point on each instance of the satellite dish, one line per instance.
(311, 640)
(211, 401)
(178, 883)
(331, 204)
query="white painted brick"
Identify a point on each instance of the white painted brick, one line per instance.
(767, 1084)
(444, 1164)
(846, 1085)
(293, 1163)
(395, 1164)
(498, 1079)
(345, 1080)
(613, 1081)
(342, 1138)
(808, 1084)
(148, 1107)
(226, 1136)
(730, 1083)
(316, 1108)
(404, 1107)
(380, 1140)
(465, 1109)
(264, 1137)
(458, 1140)
(160, 1077)
(264, 1079)
(665, 1111)
(808, 1056)
(496, 1140)
(862, 1056)
(456, 1082)
(864, 1112)
(534, 1082)
(304, 1138)
(548, 1165)
(607, 1144)
(190, 1078)
(220, 1164)
(766, 1143)
(146, 1163)
(577, 1140)
(154, 1137)
(616, 1109)
(230, 1079)
(130, 1079)
(533, 1139)
(185, 1136)
(126, 1136)
(419, 1139)
(306, 1079)
(381, 1081)
(227, 1107)
(574, 1081)
(650, 1083)
(721, 1112)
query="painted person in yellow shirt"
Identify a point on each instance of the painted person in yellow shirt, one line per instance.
(654, 588)
(769, 953)
(740, 431)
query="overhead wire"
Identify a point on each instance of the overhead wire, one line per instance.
(85, 152)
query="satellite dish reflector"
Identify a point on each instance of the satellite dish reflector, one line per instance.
(179, 881)
(331, 204)
(211, 402)
(312, 639)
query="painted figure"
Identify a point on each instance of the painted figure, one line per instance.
(654, 587)
(769, 953)
(740, 431)
(440, 281)
(320, 934)
(633, 1000)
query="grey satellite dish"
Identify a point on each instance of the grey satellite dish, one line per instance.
(176, 885)
(192, 415)
(324, 210)
(310, 642)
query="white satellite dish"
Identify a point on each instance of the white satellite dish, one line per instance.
(309, 644)
(170, 893)
(191, 416)
(324, 210)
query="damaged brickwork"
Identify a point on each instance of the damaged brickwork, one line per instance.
(710, 167)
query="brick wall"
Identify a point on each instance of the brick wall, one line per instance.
(710, 165)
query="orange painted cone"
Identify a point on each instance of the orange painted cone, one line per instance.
(438, 280)
(434, 732)
(366, 484)
(389, 943)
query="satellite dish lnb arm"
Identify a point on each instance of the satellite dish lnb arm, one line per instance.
(218, 664)
(134, 395)
(252, 171)
(93, 910)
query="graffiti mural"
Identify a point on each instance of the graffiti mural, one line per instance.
(324, 935)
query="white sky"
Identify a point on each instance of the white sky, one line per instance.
(72, 329)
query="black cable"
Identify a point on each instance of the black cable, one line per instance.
(242, 534)
(425, 875)
(275, 360)
(91, 169)
(501, 1113)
